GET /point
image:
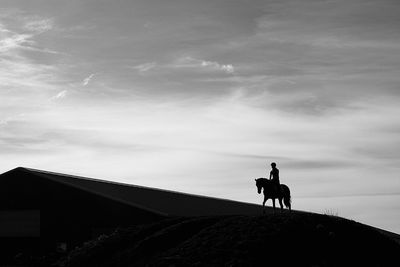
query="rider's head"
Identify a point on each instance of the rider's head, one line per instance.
(273, 164)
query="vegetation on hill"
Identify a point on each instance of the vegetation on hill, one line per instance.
(281, 239)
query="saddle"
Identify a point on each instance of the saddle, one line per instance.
(277, 188)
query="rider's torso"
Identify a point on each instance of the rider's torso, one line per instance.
(275, 175)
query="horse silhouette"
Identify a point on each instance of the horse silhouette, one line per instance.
(271, 191)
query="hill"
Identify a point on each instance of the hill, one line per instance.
(281, 239)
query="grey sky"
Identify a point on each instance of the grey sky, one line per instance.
(198, 96)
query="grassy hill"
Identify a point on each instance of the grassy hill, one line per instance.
(281, 239)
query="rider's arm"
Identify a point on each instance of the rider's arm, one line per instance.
(270, 175)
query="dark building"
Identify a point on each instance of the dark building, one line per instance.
(42, 212)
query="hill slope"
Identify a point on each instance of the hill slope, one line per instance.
(300, 239)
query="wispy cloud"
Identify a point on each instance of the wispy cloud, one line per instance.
(87, 80)
(28, 79)
(39, 25)
(145, 67)
(60, 95)
(12, 41)
(190, 62)
(6, 120)
(3, 29)
(228, 68)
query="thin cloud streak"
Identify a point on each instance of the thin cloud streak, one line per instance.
(60, 95)
(87, 80)
(141, 68)
(190, 62)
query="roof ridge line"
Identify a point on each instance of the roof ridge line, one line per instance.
(42, 174)
(134, 185)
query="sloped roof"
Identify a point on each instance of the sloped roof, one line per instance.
(162, 202)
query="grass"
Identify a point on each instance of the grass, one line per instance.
(284, 239)
(332, 212)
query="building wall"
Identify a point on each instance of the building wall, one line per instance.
(66, 214)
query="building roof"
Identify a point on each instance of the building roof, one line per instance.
(162, 202)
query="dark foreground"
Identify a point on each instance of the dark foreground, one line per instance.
(287, 239)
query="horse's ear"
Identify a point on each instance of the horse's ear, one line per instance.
(255, 180)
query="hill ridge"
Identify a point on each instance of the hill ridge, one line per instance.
(240, 240)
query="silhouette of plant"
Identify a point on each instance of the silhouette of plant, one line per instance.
(331, 212)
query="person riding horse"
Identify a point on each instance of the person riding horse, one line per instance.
(273, 189)
(274, 176)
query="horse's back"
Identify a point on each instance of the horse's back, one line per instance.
(285, 187)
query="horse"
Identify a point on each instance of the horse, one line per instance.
(270, 191)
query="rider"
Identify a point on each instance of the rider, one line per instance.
(274, 175)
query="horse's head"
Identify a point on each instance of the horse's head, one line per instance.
(259, 186)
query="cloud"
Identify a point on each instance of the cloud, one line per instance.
(215, 65)
(13, 41)
(10, 41)
(60, 95)
(39, 26)
(190, 62)
(3, 29)
(6, 120)
(334, 53)
(145, 67)
(28, 79)
(86, 81)
(19, 39)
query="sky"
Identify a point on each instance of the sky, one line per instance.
(201, 96)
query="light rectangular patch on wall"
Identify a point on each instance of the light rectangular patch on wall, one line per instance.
(19, 223)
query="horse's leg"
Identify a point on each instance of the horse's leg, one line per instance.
(280, 203)
(273, 203)
(263, 207)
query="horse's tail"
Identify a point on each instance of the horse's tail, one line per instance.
(287, 199)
